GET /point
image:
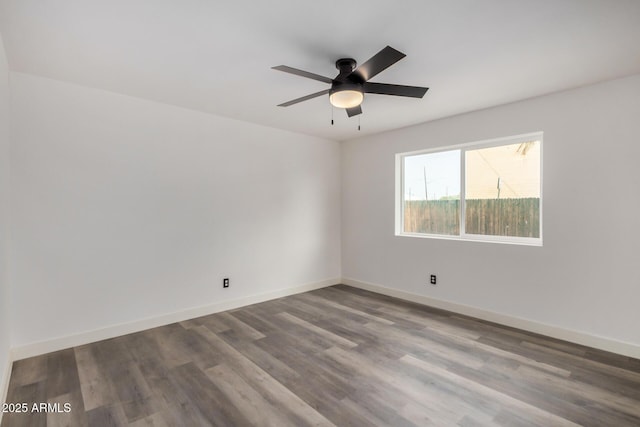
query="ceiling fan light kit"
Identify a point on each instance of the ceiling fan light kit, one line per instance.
(349, 86)
(346, 98)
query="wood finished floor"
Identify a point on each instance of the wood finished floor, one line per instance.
(336, 356)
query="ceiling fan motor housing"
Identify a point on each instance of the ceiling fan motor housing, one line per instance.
(346, 79)
(346, 65)
(338, 86)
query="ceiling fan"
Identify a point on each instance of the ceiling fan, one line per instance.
(349, 86)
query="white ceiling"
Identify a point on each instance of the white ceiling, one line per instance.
(216, 56)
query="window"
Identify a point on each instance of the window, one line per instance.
(488, 191)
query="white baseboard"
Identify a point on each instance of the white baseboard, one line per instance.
(594, 341)
(43, 347)
(4, 383)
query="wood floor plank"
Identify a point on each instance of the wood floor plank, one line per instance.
(76, 417)
(169, 346)
(576, 390)
(107, 416)
(336, 356)
(95, 386)
(62, 374)
(142, 408)
(30, 394)
(587, 363)
(29, 371)
(493, 376)
(533, 412)
(255, 318)
(488, 350)
(404, 389)
(153, 420)
(257, 410)
(368, 418)
(345, 308)
(335, 338)
(274, 391)
(267, 361)
(242, 329)
(209, 400)
(417, 344)
(624, 362)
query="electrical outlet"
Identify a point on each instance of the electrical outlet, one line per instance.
(433, 279)
(225, 282)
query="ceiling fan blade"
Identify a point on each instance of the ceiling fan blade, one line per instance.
(354, 111)
(397, 90)
(302, 73)
(304, 98)
(378, 63)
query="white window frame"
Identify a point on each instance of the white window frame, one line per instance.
(399, 199)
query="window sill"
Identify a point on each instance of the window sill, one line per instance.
(524, 241)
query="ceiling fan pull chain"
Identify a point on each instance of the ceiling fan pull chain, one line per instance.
(359, 115)
(331, 114)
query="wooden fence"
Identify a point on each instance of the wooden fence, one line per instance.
(496, 217)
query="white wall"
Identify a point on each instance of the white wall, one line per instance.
(4, 219)
(585, 278)
(127, 209)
